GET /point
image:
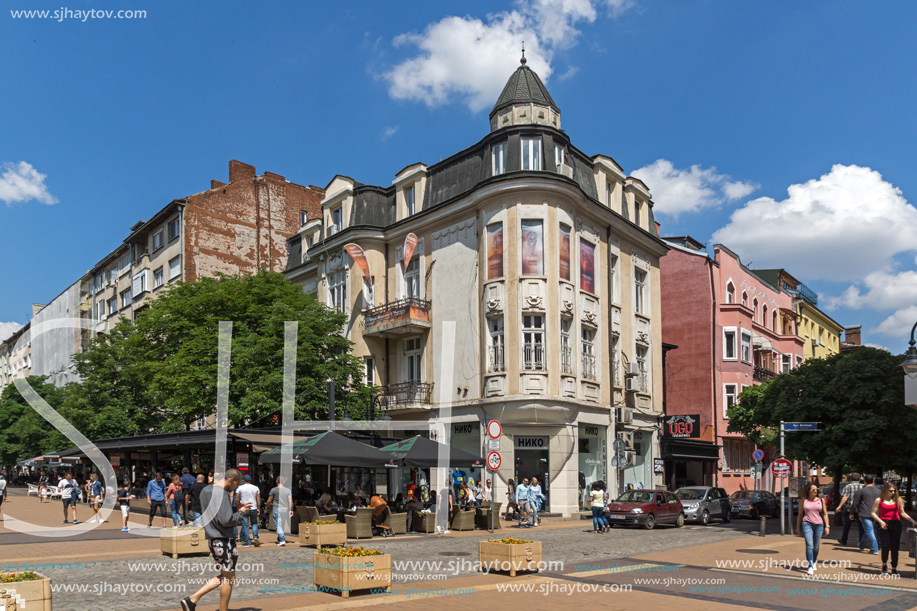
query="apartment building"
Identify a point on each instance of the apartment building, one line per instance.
(15, 357)
(516, 280)
(733, 329)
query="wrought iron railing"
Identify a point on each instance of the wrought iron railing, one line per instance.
(762, 374)
(589, 366)
(497, 359)
(410, 308)
(406, 393)
(566, 360)
(533, 357)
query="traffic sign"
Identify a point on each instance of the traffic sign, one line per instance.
(494, 429)
(800, 426)
(781, 467)
(493, 444)
(493, 461)
(758, 454)
(619, 446)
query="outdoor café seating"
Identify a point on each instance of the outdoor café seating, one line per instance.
(360, 526)
(483, 517)
(307, 514)
(464, 519)
(397, 522)
(424, 522)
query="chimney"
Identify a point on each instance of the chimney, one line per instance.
(239, 171)
(852, 335)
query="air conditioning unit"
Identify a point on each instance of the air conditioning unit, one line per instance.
(630, 459)
(816, 342)
(625, 416)
(628, 438)
(633, 385)
(565, 170)
(632, 369)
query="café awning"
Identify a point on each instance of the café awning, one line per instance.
(422, 452)
(329, 448)
(262, 442)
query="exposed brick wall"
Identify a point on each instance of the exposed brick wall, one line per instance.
(241, 227)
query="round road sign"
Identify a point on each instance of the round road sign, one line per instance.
(758, 454)
(493, 460)
(781, 467)
(494, 429)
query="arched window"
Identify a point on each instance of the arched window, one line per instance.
(744, 299)
(774, 324)
(730, 293)
(754, 310)
(764, 315)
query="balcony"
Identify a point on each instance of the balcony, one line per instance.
(761, 374)
(399, 318)
(407, 395)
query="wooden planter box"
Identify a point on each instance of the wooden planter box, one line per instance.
(26, 595)
(346, 575)
(177, 542)
(509, 557)
(323, 534)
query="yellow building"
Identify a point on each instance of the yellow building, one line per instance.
(821, 333)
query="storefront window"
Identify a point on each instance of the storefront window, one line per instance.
(593, 447)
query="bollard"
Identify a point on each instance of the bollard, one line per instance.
(763, 528)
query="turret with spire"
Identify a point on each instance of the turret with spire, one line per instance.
(524, 101)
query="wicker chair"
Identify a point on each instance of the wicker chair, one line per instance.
(307, 514)
(398, 522)
(360, 526)
(424, 522)
(483, 517)
(464, 519)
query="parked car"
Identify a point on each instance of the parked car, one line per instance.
(703, 503)
(646, 508)
(754, 503)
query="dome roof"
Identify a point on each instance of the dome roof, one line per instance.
(523, 87)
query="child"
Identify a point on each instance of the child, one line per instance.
(42, 492)
(124, 500)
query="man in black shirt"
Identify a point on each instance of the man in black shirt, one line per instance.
(193, 499)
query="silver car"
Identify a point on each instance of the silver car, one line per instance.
(703, 503)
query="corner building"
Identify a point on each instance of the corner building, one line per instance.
(544, 261)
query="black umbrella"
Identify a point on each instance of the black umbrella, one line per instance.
(421, 452)
(329, 448)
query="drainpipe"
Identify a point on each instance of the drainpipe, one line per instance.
(716, 413)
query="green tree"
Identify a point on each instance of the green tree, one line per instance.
(23, 432)
(859, 399)
(161, 369)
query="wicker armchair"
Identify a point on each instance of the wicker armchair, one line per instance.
(464, 519)
(307, 514)
(360, 526)
(483, 517)
(398, 522)
(424, 522)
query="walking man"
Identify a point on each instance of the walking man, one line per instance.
(193, 499)
(218, 532)
(156, 497)
(523, 501)
(187, 480)
(281, 499)
(863, 501)
(69, 492)
(845, 507)
(250, 495)
(2, 493)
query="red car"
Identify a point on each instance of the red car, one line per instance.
(646, 508)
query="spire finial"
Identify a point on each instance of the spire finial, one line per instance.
(523, 53)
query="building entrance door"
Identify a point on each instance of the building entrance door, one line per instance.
(532, 461)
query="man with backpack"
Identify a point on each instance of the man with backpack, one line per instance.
(69, 493)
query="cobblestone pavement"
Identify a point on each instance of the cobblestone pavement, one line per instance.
(264, 572)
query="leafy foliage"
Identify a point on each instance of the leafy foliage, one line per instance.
(859, 399)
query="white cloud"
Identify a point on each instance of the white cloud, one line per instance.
(7, 329)
(20, 182)
(389, 131)
(899, 324)
(881, 290)
(840, 227)
(676, 191)
(468, 59)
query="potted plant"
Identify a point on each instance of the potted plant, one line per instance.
(509, 554)
(180, 540)
(345, 569)
(28, 590)
(322, 532)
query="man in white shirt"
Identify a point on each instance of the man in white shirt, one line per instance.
(251, 494)
(69, 493)
(2, 493)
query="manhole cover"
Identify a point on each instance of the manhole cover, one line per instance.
(455, 554)
(757, 551)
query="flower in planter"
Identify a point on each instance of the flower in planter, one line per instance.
(350, 552)
(508, 541)
(17, 577)
(323, 522)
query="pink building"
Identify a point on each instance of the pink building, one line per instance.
(733, 329)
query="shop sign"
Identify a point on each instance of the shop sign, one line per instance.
(464, 429)
(530, 443)
(589, 430)
(658, 465)
(115, 460)
(242, 460)
(682, 426)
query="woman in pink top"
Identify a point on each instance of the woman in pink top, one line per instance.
(812, 523)
(888, 511)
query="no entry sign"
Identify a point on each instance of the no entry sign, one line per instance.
(781, 467)
(493, 460)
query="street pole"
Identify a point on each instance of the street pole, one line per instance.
(782, 506)
(331, 402)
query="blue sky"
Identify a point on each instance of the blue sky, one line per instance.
(784, 130)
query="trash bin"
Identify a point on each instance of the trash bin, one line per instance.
(912, 542)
